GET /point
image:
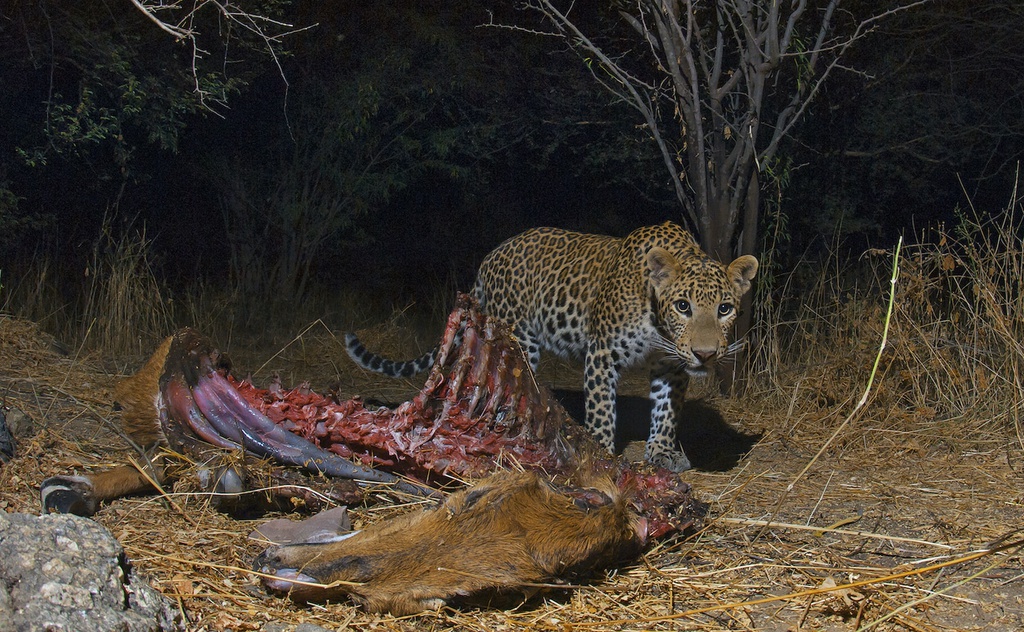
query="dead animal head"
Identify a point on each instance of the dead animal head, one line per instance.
(510, 531)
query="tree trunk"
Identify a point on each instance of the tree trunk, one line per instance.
(732, 372)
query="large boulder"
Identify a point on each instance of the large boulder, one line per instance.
(62, 572)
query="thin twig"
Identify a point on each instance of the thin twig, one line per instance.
(160, 490)
(864, 397)
(930, 595)
(800, 527)
(296, 338)
(812, 591)
(874, 369)
(178, 33)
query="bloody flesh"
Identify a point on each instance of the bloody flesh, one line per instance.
(480, 410)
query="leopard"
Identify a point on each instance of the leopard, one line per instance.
(652, 298)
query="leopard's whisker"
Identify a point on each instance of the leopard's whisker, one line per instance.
(735, 347)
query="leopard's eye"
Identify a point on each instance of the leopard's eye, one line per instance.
(725, 309)
(682, 306)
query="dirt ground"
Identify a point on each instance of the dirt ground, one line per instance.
(904, 521)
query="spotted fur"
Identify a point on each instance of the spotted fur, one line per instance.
(652, 296)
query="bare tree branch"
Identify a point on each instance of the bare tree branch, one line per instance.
(721, 60)
(628, 88)
(150, 12)
(264, 28)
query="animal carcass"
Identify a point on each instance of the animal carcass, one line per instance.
(480, 411)
(513, 530)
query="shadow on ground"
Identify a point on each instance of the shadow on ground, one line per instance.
(711, 443)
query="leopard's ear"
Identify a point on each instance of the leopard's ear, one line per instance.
(741, 272)
(662, 266)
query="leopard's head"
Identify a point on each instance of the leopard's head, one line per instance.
(696, 301)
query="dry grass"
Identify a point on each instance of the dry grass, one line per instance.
(126, 309)
(907, 521)
(912, 515)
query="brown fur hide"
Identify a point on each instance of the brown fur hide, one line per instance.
(513, 530)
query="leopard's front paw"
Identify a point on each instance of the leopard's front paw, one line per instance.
(670, 459)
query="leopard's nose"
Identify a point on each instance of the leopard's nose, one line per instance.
(705, 356)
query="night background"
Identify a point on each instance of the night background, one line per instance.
(377, 151)
(278, 172)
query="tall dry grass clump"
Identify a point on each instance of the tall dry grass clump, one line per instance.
(954, 359)
(961, 321)
(126, 309)
(35, 296)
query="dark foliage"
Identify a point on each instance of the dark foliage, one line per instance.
(932, 125)
(389, 146)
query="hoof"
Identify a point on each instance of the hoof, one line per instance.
(67, 495)
(229, 481)
(227, 489)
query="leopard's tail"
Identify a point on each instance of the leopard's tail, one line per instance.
(394, 368)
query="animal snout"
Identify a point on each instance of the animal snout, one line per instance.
(702, 358)
(705, 356)
(279, 576)
(267, 560)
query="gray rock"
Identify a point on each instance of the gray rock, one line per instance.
(20, 425)
(65, 573)
(15, 426)
(6, 439)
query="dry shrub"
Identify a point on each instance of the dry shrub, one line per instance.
(35, 296)
(961, 317)
(126, 309)
(812, 333)
(954, 352)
